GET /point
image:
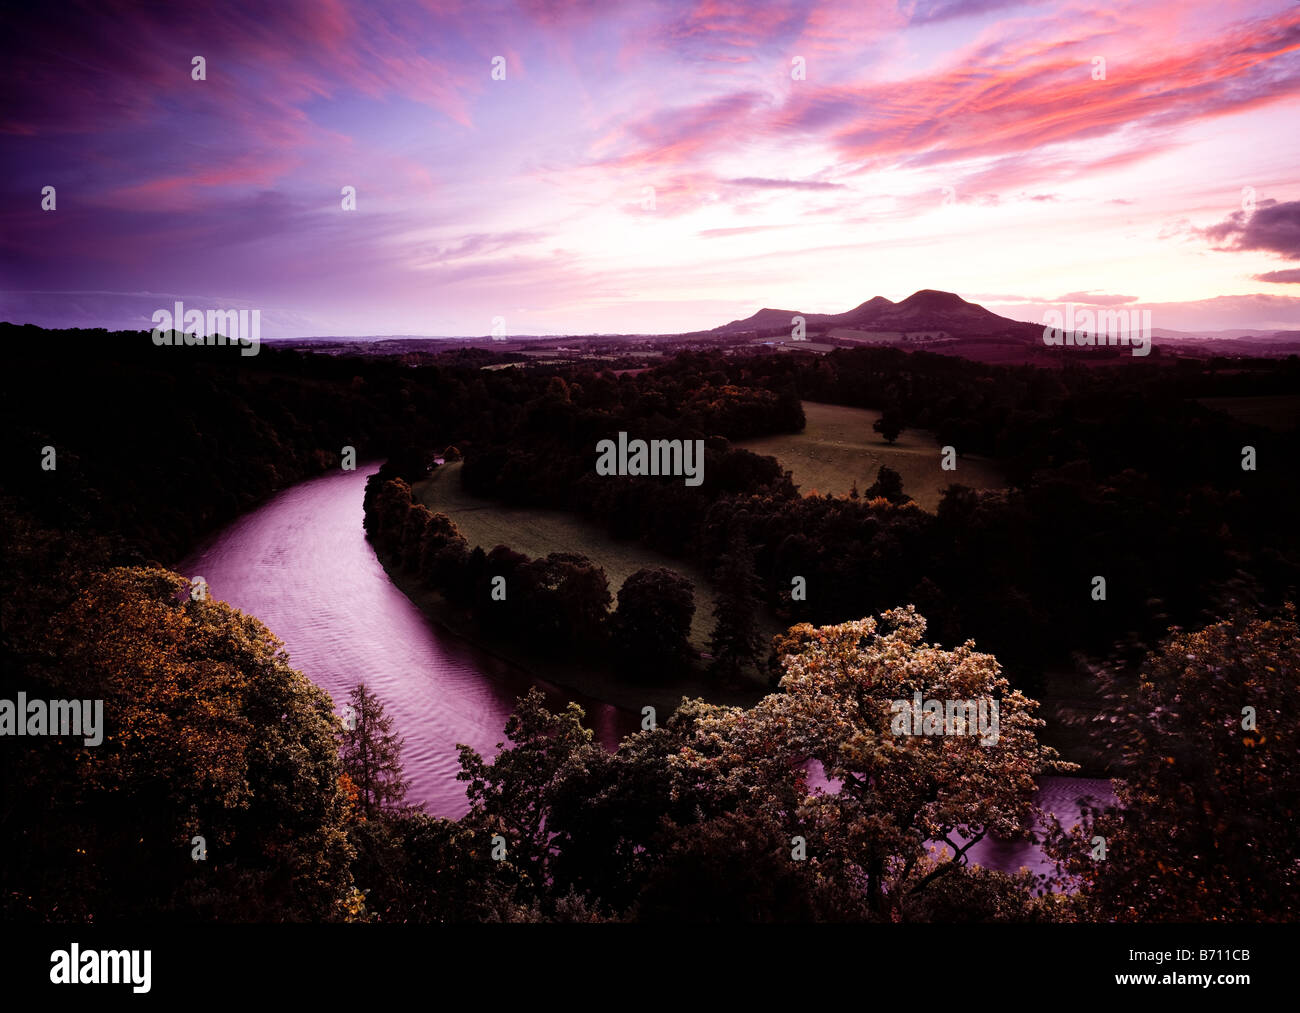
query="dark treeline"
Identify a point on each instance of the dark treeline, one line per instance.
(158, 445)
(1115, 472)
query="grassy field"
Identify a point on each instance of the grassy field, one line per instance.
(1279, 412)
(536, 533)
(838, 446)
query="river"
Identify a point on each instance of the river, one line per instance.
(301, 564)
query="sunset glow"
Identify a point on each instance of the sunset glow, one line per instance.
(964, 145)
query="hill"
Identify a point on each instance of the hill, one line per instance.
(926, 310)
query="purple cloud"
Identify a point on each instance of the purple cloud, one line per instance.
(1273, 226)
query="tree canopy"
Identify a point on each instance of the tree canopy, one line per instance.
(210, 733)
(1203, 828)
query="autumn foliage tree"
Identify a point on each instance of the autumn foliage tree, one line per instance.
(209, 734)
(1203, 828)
(896, 793)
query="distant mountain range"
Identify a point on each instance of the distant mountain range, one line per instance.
(926, 310)
(935, 321)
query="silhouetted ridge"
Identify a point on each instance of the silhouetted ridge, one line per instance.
(925, 310)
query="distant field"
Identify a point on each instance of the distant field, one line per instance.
(540, 532)
(1279, 412)
(838, 446)
(848, 333)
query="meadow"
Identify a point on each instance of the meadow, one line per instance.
(838, 447)
(539, 532)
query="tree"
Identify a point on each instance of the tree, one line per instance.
(897, 791)
(565, 603)
(652, 623)
(888, 484)
(387, 504)
(610, 826)
(501, 608)
(889, 425)
(372, 754)
(415, 531)
(1204, 824)
(442, 543)
(418, 868)
(206, 732)
(736, 640)
(695, 819)
(510, 796)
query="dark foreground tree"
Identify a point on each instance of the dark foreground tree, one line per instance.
(417, 868)
(510, 796)
(372, 754)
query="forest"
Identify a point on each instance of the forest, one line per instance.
(1117, 471)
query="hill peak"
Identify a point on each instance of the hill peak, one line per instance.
(933, 298)
(872, 305)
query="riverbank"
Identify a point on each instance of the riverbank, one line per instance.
(537, 532)
(598, 682)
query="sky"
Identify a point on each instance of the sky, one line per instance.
(586, 166)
